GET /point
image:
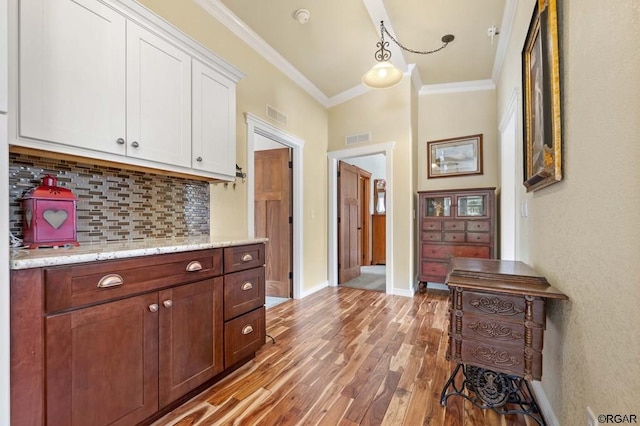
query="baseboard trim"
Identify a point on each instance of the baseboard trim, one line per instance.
(307, 292)
(401, 292)
(544, 404)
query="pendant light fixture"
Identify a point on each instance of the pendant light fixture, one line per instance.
(384, 74)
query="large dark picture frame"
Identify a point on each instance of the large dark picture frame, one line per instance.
(541, 87)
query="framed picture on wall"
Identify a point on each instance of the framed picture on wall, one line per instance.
(455, 157)
(541, 98)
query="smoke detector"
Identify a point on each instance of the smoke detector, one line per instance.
(302, 16)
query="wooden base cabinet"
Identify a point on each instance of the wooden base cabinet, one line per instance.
(102, 363)
(119, 341)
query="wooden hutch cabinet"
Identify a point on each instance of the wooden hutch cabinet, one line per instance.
(454, 223)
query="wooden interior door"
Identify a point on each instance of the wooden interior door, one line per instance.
(365, 217)
(349, 248)
(272, 212)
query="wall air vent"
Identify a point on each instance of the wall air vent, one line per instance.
(276, 115)
(359, 138)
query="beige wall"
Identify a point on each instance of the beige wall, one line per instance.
(263, 85)
(363, 114)
(582, 233)
(450, 115)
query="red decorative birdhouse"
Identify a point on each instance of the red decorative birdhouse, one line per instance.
(49, 215)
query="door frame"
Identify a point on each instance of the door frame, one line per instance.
(333, 157)
(258, 126)
(509, 129)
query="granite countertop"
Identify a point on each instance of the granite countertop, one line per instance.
(89, 252)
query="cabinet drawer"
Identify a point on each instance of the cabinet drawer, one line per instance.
(96, 282)
(431, 225)
(441, 251)
(432, 236)
(478, 225)
(454, 226)
(505, 359)
(243, 257)
(502, 306)
(243, 336)
(243, 292)
(434, 269)
(478, 237)
(496, 331)
(454, 237)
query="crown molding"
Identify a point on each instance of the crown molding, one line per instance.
(503, 39)
(463, 86)
(227, 18)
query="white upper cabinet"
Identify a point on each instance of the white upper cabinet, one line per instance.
(158, 99)
(109, 80)
(72, 73)
(214, 113)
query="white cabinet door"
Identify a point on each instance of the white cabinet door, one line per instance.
(158, 99)
(72, 73)
(214, 113)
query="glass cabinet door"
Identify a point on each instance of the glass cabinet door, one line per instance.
(472, 205)
(438, 206)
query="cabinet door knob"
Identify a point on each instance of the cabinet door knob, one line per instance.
(120, 141)
(154, 307)
(135, 144)
(194, 266)
(168, 303)
(247, 257)
(247, 329)
(199, 159)
(110, 280)
(247, 286)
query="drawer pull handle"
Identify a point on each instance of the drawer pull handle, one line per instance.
(110, 280)
(168, 303)
(194, 266)
(154, 307)
(247, 329)
(247, 257)
(247, 286)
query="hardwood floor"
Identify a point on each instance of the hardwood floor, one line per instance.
(346, 357)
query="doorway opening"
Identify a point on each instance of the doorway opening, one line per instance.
(362, 222)
(263, 135)
(386, 149)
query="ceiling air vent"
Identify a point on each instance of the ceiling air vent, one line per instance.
(360, 138)
(276, 115)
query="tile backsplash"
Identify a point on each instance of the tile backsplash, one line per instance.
(115, 204)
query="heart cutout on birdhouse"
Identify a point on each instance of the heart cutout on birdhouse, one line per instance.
(55, 218)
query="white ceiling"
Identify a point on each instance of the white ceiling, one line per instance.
(329, 54)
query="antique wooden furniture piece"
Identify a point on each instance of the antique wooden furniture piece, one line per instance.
(452, 223)
(496, 332)
(378, 239)
(120, 341)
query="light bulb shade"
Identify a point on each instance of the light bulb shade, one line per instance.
(382, 75)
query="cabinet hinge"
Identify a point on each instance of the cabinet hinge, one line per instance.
(290, 219)
(290, 275)
(291, 164)
(338, 174)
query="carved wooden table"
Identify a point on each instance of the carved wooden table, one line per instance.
(496, 327)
